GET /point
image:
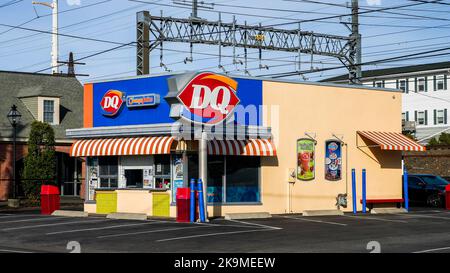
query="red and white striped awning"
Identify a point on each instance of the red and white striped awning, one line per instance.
(392, 141)
(251, 147)
(122, 146)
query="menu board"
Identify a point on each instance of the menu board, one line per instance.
(305, 159)
(148, 178)
(333, 160)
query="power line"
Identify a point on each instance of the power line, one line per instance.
(403, 57)
(59, 12)
(383, 10)
(12, 2)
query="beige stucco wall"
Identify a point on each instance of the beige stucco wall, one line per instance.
(134, 201)
(294, 109)
(324, 111)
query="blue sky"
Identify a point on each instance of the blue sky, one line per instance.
(384, 35)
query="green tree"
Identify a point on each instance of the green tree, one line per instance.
(433, 142)
(40, 163)
(444, 139)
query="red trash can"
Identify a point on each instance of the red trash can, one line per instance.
(183, 204)
(50, 200)
(447, 197)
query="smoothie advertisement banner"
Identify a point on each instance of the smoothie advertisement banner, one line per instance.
(333, 160)
(305, 159)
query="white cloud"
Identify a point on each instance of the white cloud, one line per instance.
(373, 2)
(74, 2)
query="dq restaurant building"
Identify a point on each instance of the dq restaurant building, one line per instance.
(260, 145)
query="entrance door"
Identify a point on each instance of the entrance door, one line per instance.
(69, 174)
(192, 167)
(216, 173)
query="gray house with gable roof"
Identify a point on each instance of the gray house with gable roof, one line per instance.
(55, 99)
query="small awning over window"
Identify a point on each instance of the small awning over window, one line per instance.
(251, 147)
(122, 146)
(392, 141)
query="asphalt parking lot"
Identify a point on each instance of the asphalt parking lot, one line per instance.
(424, 230)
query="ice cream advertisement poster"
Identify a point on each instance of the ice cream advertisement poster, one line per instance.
(305, 159)
(333, 160)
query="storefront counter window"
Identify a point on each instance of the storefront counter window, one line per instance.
(108, 171)
(233, 179)
(162, 172)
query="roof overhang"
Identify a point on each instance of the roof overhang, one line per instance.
(176, 129)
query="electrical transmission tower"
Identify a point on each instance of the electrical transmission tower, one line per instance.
(152, 31)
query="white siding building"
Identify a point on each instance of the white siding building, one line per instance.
(426, 95)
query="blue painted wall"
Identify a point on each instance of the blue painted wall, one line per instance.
(249, 92)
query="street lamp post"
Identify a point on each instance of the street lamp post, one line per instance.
(14, 118)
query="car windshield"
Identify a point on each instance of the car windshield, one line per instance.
(434, 180)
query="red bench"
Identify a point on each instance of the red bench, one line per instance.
(381, 201)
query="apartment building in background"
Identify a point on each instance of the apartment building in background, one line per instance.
(426, 95)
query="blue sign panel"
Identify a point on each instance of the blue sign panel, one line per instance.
(249, 92)
(142, 100)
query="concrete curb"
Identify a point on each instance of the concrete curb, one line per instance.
(127, 216)
(330, 212)
(70, 213)
(388, 210)
(250, 215)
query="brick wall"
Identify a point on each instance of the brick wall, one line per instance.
(435, 161)
(6, 166)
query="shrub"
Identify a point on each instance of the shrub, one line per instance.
(40, 163)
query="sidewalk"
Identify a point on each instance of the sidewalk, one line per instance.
(67, 203)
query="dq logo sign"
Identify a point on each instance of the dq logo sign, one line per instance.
(209, 98)
(112, 102)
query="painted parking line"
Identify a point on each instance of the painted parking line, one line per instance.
(224, 225)
(433, 250)
(212, 234)
(255, 224)
(149, 231)
(13, 251)
(422, 216)
(375, 219)
(421, 211)
(31, 220)
(102, 228)
(56, 224)
(9, 216)
(316, 221)
(5, 214)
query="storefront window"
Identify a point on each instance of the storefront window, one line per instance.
(162, 172)
(108, 172)
(216, 171)
(134, 178)
(242, 179)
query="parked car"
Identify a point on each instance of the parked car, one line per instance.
(426, 189)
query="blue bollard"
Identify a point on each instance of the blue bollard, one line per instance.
(364, 200)
(405, 189)
(354, 190)
(192, 208)
(201, 201)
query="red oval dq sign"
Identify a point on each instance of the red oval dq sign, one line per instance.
(111, 102)
(209, 98)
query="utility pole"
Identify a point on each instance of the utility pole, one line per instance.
(355, 53)
(71, 66)
(194, 9)
(54, 7)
